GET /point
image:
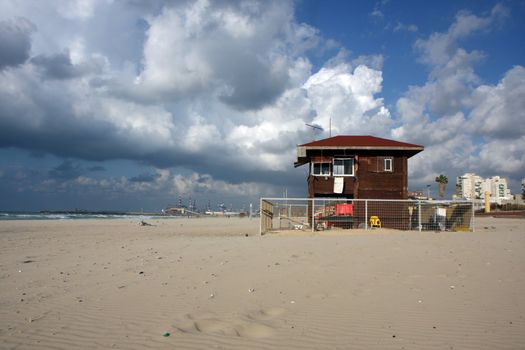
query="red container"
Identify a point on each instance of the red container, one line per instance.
(344, 209)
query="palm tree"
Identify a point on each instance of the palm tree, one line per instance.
(442, 181)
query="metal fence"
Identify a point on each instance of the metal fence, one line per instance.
(318, 214)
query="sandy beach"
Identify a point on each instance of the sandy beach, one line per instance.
(215, 283)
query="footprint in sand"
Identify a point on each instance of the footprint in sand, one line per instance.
(266, 314)
(257, 324)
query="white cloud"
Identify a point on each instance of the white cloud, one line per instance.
(347, 96)
(464, 125)
(499, 111)
(162, 181)
(204, 183)
(213, 86)
(439, 48)
(505, 156)
(79, 9)
(405, 27)
(240, 52)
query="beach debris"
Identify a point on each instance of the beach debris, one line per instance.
(28, 261)
(212, 296)
(144, 223)
(251, 290)
(452, 287)
(141, 272)
(36, 318)
(245, 235)
(166, 334)
(292, 302)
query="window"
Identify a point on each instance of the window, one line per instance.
(321, 169)
(388, 164)
(343, 167)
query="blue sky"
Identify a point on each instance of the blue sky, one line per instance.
(129, 105)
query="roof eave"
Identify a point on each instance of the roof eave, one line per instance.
(368, 148)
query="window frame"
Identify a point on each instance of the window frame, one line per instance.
(391, 161)
(312, 168)
(343, 158)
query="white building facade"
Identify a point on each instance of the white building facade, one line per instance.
(471, 186)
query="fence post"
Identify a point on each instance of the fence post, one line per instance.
(261, 216)
(313, 215)
(419, 215)
(366, 214)
(472, 218)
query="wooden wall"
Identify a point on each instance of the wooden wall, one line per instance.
(323, 186)
(377, 184)
(370, 182)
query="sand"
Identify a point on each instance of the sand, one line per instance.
(114, 284)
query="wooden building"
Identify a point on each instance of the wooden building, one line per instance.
(357, 167)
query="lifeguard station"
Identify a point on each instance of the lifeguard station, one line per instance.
(357, 167)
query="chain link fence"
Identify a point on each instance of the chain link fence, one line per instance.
(319, 214)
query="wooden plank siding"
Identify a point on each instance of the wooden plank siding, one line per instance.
(374, 183)
(323, 186)
(370, 181)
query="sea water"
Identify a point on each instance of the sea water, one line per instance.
(74, 216)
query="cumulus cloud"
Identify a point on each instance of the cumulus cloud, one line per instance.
(465, 125)
(15, 41)
(61, 66)
(239, 51)
(220, 86)
(70, 176)
(499, 111)
(347, 96)
(222, 90)
(439, 48)
(79, 9)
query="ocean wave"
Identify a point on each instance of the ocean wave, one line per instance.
(77, 216)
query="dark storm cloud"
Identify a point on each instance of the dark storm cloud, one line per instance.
(15, 41)
(66, 170)
(253, 85)
(96, 168)
(249, 56)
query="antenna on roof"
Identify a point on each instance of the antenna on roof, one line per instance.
(314, 127)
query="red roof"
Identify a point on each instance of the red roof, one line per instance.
(359, 141)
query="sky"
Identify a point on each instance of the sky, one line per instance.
(127, 105)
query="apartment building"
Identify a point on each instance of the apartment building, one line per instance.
(471, 186)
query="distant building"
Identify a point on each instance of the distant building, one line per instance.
(523, 188)
(471, 186)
